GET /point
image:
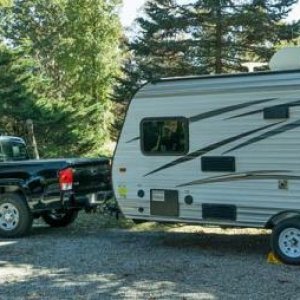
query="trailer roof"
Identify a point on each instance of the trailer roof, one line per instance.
(211, 76)
(220, 84)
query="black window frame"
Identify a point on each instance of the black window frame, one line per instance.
(161, 119)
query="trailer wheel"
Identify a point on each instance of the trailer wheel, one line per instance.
(15, 216)
(55, 218)
(285, 241)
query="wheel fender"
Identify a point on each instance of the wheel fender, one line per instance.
(15, 187)
(281, 217)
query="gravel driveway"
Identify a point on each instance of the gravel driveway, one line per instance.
(89, 260)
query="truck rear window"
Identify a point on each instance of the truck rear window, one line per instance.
(165, 136)
(10, 150)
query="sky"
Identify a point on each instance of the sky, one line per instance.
(131, 7)
(130, 10)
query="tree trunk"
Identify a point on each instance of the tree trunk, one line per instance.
(218, 62)
(33, 139)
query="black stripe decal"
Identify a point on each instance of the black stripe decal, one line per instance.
(250, 113)
(209, 148)
(290, 104)
(266, 135)
(132, 140)
(271, 174)
(223, 110)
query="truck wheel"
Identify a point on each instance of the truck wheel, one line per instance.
(15, 216)
(56, 218)
(285, 241)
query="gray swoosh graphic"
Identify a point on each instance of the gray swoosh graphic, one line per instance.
(223, 110)
(252, 175)
(218, 112)
(250, 113)
(133, 140)
(209, 148)
(266, 135)
(289, 104)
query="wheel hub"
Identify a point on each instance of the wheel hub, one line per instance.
(289, 242)
(9, 216)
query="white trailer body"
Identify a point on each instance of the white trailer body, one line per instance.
(238, 162)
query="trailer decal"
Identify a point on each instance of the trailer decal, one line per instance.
(226, 109)
(266, 135)
(133, 140)
(252, 175)
(209, 148)
(289, 104)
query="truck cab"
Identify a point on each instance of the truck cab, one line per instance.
(12, 149)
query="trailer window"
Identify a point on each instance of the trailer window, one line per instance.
(164, 136)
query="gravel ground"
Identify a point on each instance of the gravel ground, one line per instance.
(96, 258)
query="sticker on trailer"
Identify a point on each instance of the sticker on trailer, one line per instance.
(122, 191)
(158, 195)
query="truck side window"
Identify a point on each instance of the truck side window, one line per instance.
(164, 136)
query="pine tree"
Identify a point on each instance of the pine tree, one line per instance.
(157, 50)
(203, 36)
(21, 101)
(75, 45)
(16, 100)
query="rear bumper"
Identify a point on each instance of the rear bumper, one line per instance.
(98, 198)
(89, 201)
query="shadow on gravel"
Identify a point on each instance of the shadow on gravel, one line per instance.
(83, 263)
(223, 244)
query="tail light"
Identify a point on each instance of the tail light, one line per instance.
(66, 178)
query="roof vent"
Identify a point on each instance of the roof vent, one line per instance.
(286, 59)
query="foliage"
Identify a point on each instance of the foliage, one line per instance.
(20, 102)
(60, 59)
(5, 3)
(74, 44)
(16, 101)
(290, 36)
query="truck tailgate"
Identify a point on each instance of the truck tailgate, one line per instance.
(91, 175)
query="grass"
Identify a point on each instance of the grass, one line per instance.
(98, 220)
(102, 221)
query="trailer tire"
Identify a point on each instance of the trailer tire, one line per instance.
(55, 218)
(285, 241)
(15, 216)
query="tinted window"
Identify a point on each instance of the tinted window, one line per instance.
(12, 151)
(165, 136)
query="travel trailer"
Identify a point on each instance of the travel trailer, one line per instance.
(220, 149)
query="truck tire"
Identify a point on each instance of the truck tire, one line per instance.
(15, 216)
(55, 218)
(285, 241)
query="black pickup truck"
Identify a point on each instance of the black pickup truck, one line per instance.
(54, 189)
